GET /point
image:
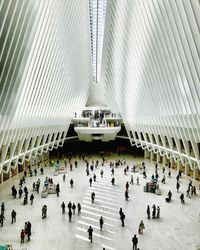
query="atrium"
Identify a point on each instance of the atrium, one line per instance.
(100, 85)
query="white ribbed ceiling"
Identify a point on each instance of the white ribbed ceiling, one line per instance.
(51, 51)
(151, 69)
(45, 74)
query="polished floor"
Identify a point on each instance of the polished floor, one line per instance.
(178, 227)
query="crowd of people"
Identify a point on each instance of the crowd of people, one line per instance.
(91, 166)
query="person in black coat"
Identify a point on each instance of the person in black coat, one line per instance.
(90, 231)
(135, 242)
(122, 218)
(101, 222)
(13, 216)
(57, 189)
(148, 212)
(70, 215)
(63, 207)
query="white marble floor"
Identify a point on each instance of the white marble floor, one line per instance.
(177, 229)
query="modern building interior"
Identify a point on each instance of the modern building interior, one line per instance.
(104, 94)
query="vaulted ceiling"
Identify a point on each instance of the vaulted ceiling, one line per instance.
(145, 53)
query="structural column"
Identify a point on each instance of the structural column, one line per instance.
(178, 165)
(2, 176)
(158, 158)
(152, 155)
(164, 160)
(187, 168)
(196, 173)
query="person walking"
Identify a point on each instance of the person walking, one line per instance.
(94, 177)
(90, 233)
(13, 216)
(63, 207)
(158, 212)
(92, 197)
(122, 218)
(154, 211)
(90, 181)
(141, 227)
(135, 242)
(163, 179)
(101, 173)
(182, 198)
(71, 183)
(113, 181)
(177, 186)
(29, 230)
(2, 218)
(148, 212)
(2, 207)
(101, 223)
(57, 189)
(44, 212)
(79, 208)
(127, 185)
(69, 205)
(131, 182)
(126, 195)
(31, 199)
(120, 212)
(64, 177)
(20, 192)
(70, 215)
(74, 208)
(22, 235)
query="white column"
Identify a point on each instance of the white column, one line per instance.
(187, 168)
(152, 155)
(158, 158)
(196, 173)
